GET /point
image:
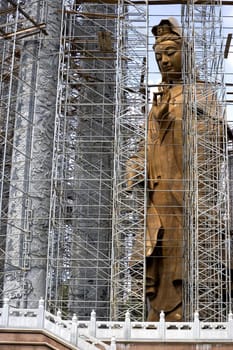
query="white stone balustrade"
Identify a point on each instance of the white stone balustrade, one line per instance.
(85, 334)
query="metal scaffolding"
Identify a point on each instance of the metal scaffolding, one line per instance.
(79, 257)
(129, 197)
(100, 113)
(74, 106)
(207, 286)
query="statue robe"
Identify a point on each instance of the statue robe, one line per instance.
(165, 212)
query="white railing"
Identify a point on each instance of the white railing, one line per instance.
(87, 334)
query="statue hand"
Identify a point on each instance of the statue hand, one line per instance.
(161, 107)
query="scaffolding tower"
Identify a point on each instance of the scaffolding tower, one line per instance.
(100, 113)
(129, 189)
(79, 257)
(207, 286)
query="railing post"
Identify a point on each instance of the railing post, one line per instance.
(162, 325)
(74, 330)
(41, 314)
(113, 344)
(127, 326)
(230, 326)
(58, 323)
(5, 312)
(92, 325)
(196, 326)
(58, 318)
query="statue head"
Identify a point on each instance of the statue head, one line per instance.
(168, 47)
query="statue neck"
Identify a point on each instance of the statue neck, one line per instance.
(168, 85)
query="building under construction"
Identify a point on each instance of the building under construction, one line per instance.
(76, 85)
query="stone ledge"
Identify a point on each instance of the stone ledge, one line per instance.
(31, 339)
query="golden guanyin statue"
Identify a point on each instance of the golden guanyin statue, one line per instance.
(164, 237)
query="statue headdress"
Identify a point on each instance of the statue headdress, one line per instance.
(167, 27)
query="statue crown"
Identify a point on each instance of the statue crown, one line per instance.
(167, 26)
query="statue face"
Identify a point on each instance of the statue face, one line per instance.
(168, 56)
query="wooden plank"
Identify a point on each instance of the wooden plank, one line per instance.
(26, 15)
(91, 14)
(228, 44)
(27, 30)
